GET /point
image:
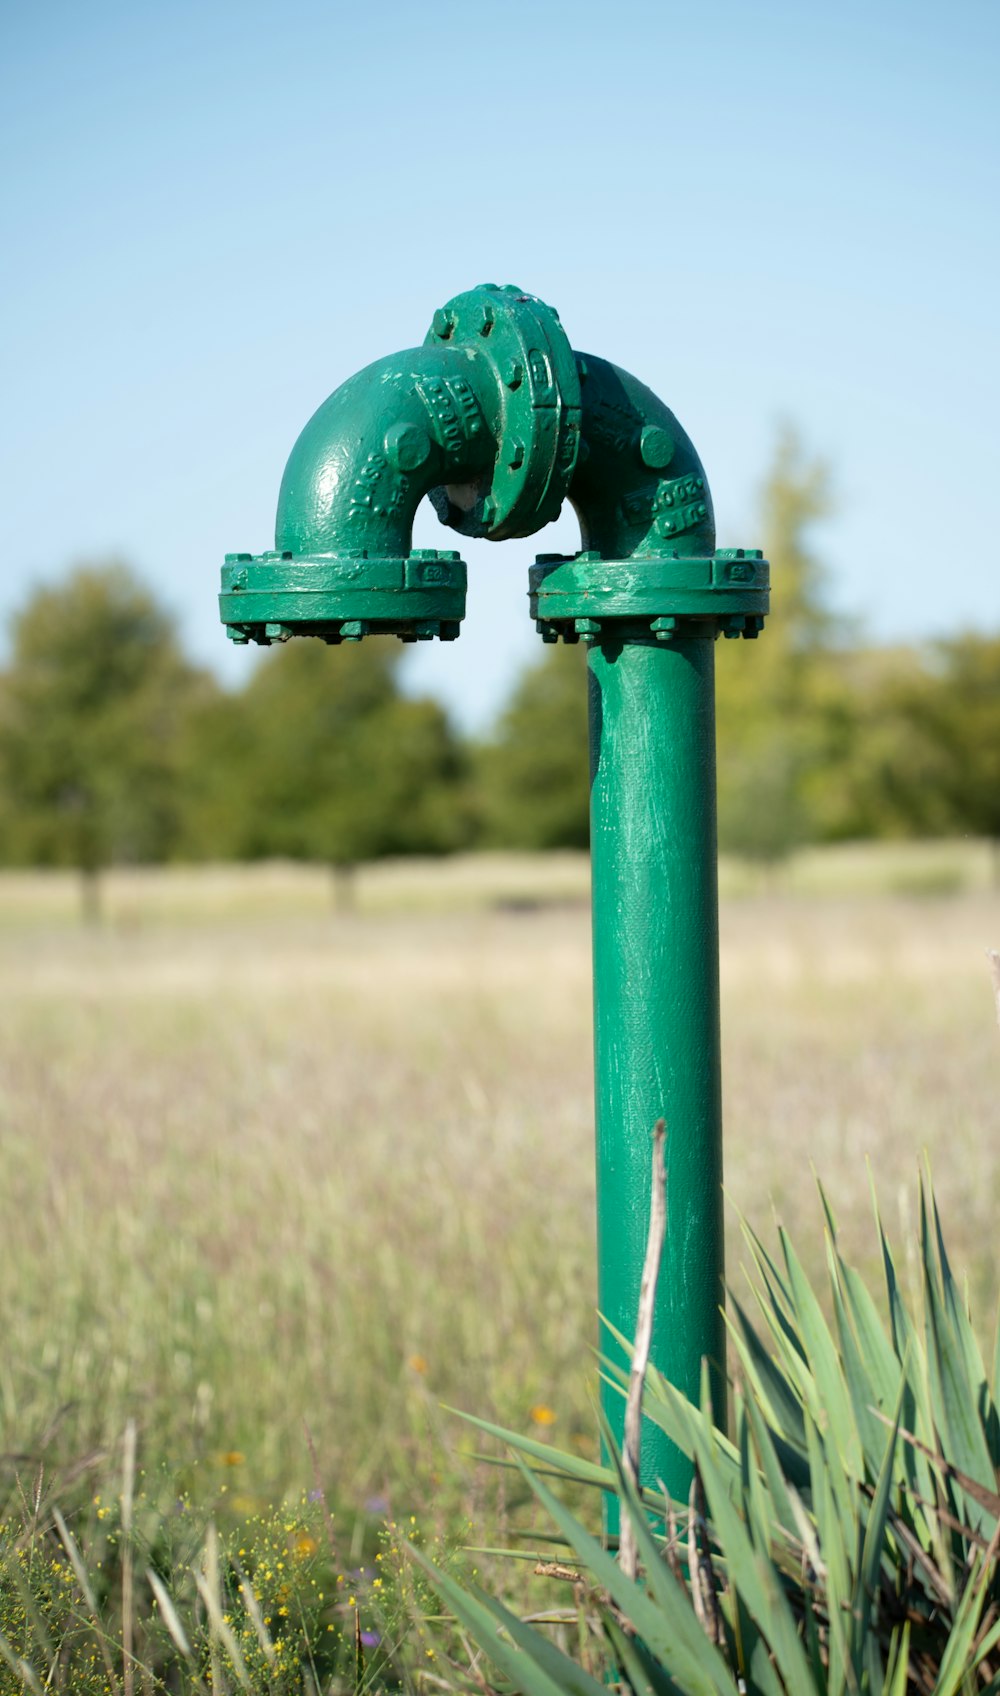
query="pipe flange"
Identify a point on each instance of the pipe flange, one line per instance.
(538, 437)
(583, 597)
(270, 597)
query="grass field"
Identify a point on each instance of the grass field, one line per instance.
(264, 1167)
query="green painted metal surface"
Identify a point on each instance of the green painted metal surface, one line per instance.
(497, 420)
(343, 597)
(656, 1005)
(582, 594)
(648, 593)
(539, 425)
(484, 419)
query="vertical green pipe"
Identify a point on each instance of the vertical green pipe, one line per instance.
(656, 1006)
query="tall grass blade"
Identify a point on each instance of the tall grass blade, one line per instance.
(954, 1397)
(960, 1657)
(757, 1579)
(573, 1466)
(20, 1668)
(898, 1669)
(644, 1675)
(783, 1403)
(666, 1625)
(208, 1584)
(169, 1614)
(252, 1607)
(83, 1580)
(823, 1362)
(536, 1666)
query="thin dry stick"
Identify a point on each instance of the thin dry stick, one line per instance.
(627, 1552)
(703, 1593)
(994, 959)
(128, 1570)
(673, 1559)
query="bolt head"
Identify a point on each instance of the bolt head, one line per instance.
(407, 446)
(514, 374)
(514, 453)
(489, 511)
(443, 323)
(656, 447)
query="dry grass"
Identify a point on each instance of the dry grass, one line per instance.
(261, 1165)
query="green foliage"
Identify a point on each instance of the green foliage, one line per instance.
(91, 710)
(844, 1538)
(773, 701)
(114, 749)
(130, 1590)
(533, 776)
(948, 778)
(913, 743)
(322, 758)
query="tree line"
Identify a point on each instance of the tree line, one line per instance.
(115, 749)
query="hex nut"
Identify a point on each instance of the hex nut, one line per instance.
(656, 447)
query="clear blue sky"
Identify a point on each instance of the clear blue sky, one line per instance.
(212, 213)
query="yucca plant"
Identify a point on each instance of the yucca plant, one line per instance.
(843, 1538)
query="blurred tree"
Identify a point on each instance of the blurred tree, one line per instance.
(322, 758)
(762, 813)
(949, 776)
(90, 712)
(866, 783)
(778, 699)
(533, 777)
(215, 765)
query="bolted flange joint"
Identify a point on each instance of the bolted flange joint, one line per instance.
(484, 419)
(586, 598)
(271, 597)
(525, 348)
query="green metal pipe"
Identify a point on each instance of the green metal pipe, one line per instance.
(484, 419)
(639, 488)
(656, 1007)
(379, 444)
(648, 593)
(497, 420)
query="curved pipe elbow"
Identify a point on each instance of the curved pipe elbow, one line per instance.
(640, 489)
(497, 420)
(382, 441)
